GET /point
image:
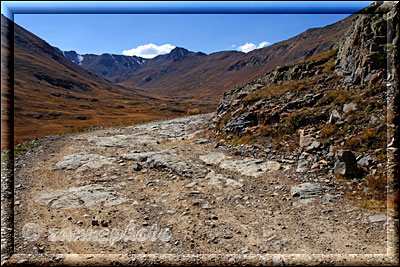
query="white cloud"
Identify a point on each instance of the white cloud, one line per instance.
(247, 47)
(263, 44)
(149, 50)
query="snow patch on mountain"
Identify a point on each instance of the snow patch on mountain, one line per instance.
(80, 59)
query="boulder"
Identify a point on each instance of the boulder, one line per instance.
(305, 140)
(239, 124)
(366, 161)
(334, 117)
(346, 163)
(312, 146)
(302, 166)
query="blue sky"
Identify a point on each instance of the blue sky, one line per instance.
(150, 34)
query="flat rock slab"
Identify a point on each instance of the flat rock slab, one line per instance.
(81, 161)
(110, 141)
(250, 167)
(82, 196)
(167, 160)
(174, 129)
(247, 166)
(307, 190)
(142, 156)
(220, 180)
(213, 158)
(377, 218)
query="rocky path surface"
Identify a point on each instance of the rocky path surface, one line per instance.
(165, 187)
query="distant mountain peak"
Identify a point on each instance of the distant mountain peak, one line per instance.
(179, 50)
(73, 56)
(177, 53)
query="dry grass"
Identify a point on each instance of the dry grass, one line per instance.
(328, 131)
(322, 56)
(193, 111)
(276, 90)
(337, 97)
(246, 140)
(375, 197)
(368, 193)
(368, 139)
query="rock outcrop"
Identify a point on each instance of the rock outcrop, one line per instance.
(362, 51)
(333, 100)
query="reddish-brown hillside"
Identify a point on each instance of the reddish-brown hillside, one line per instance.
(53, 95)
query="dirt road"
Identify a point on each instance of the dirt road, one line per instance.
(165, 187)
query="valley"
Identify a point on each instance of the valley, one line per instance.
(287, 154)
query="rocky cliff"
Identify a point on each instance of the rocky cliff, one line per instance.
(315, 110)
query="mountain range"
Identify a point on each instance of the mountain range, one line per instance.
(58, 91)
(206, 77)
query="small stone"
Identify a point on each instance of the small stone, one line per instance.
(201, 141)
(302, 166)
(196, 202)
(331, 198)
(306, 201)
(314, 166)
(206, 206)
(365, 161)
(306, 190)
(137, 167)
(95, 222)
(191, 184)
(349, 107)
(244, 250)
(314, 145)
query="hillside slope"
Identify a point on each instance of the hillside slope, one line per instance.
(54, 95)
(312, 110)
